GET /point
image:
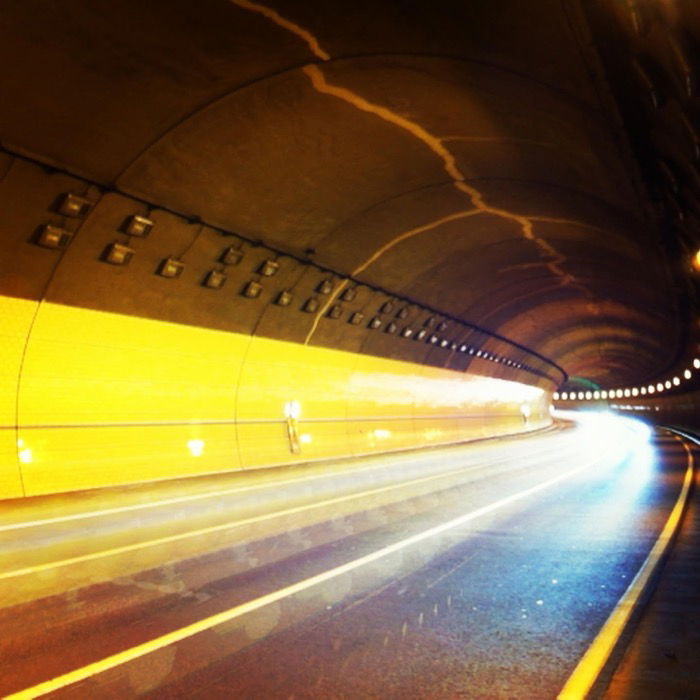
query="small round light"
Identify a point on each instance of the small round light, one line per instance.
(668, 384)
(626, 393)
(555, 396)
(676, 381)
(596, 395)
(564, 396)
(580, 395)
(651, 388)
(659, 387)
(696, 363)
(635, 392)
(619, 393)
(604, 394)
(643, 391)
(589, 395)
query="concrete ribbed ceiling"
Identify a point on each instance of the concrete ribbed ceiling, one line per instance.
(472, 156)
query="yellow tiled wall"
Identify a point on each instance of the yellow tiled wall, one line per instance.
(105, 399)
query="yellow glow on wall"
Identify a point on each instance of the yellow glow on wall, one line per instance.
(23, 452)
(107, 399)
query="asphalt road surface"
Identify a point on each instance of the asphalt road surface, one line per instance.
(476, 571)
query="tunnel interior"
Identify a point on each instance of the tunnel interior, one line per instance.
(224, 219)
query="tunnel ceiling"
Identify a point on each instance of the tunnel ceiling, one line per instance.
(530, 167)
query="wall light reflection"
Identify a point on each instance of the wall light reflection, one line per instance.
(196, 447)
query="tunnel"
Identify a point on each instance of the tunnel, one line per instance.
(296, 290)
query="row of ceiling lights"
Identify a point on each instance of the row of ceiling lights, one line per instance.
(603, 394)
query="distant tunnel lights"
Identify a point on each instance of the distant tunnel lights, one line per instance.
(628, 392)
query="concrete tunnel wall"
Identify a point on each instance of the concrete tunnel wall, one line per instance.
(113, 373)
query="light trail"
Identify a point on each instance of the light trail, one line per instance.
(593, 661)
(234, 524)
(208, 623)
(222, 492)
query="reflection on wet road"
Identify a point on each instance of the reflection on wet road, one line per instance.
(482, 570)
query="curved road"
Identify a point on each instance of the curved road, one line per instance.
(477, 571)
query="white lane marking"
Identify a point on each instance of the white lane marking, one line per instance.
(208, 623)
(593, 661)
(210, 494)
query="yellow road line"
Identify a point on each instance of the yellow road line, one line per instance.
(591, 664)
(210, 622)
(228, 525)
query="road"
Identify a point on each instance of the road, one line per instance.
(480, 571)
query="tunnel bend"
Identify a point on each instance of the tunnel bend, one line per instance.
(302, 177)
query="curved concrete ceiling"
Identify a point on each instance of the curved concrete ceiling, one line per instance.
(483, 158)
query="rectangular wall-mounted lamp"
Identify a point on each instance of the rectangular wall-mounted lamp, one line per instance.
(402, 313)
(429, 322)
(407, 332)
(325, 287)
(215, 279)
(336, 311)
(118, 254)
(390, 327)
(349, 294)
(356, 318)
(53, 237)
(231, 256)
(284, 298)
(386, 308)
(252, 290)
(375, 323)
(137, 225)
(74, 205)
(310, 305)
(170, 268)
(268, 268)
(421, 334)
(442, 326)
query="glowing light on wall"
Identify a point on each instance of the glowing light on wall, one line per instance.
(24, 453)
(196, 447)
(687, 374)
(292, 409)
